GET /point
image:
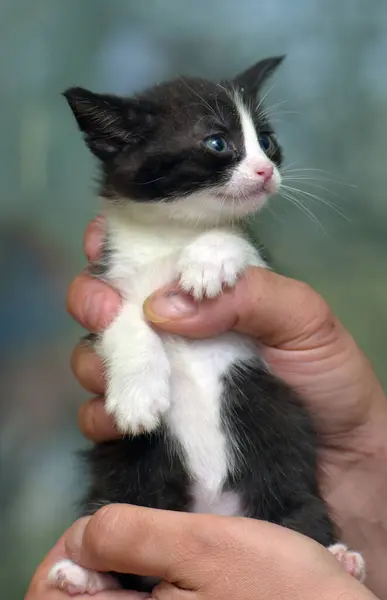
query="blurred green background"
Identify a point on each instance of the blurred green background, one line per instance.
(332, 116)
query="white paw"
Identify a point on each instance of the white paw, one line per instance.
(213, 262)
(73, 579)
(352, 562)
(137, 403)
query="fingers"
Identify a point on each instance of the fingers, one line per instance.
(194, 552)
(277, 310)
(132, 539)
(87, 368)
(95, 424)
(92, 303)
(93, 421)
(93, 238)
(168, 591)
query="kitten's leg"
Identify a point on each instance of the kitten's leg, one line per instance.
(284, 488)
(137, 372)
(353, 562)
(73, 579)
(215, 260)
(312, 520)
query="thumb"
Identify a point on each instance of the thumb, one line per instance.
(144, 541)
(277, 310)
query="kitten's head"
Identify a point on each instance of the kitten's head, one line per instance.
(190, 149)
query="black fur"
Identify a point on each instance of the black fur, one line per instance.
(145, 470)
(151, 146)
(276, 468)
(151, 149)
(276, 462)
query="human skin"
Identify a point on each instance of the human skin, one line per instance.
(306, 345)
(200, 557)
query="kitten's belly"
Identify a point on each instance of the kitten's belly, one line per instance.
(195, 416)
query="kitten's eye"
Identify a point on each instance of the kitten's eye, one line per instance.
(217, 143)
(267, 143)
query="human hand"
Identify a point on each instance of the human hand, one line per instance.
(300, 338)
(199, 557)
(305, 344)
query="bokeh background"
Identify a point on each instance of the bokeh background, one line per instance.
(331, 115)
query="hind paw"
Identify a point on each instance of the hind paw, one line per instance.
(74, 579)
(352, 562)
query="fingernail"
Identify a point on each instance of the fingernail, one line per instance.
(74, 538)
(170, 306)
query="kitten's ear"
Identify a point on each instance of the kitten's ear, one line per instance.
(109, 123)
(253, 79)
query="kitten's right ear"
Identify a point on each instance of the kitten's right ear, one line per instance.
(256, 76)
(109, 123)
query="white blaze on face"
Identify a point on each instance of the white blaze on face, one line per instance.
(255, 160)
(252, 181)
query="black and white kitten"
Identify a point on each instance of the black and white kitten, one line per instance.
(209, 428)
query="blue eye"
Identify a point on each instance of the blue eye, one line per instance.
(217, 143)
(267, 142)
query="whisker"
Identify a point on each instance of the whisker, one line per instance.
(318, 199)
(297, 202)
(152, 180)
(262, 100)
(311, 182)
(267, 109)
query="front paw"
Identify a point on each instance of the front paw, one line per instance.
(205, 270)
(138, 403)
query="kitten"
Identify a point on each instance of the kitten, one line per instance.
(209, 428)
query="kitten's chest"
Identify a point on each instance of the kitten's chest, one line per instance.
(141, 259)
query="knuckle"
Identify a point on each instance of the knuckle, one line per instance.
(86, 367)
(315, 304)
(210, 537)
(76, 360)
(87, 418)
(73, 293)
(100, 529)
(93, 236)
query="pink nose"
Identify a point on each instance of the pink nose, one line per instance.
(266, 173)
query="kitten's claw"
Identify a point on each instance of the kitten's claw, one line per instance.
(208, 280)
(137, 408)
(74, 579)
(352, 562)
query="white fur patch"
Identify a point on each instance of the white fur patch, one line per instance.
(195, 413)
(74, 580)
(213, 261)
(352, 562)
(253, 150)
(137, 393)
(245, 177)
(226, 504)
(150, 376)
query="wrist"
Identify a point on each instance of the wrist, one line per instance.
(357, 463)
(357, 495)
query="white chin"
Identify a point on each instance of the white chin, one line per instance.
(244, 206)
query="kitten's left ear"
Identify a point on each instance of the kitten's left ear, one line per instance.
(253, 79)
